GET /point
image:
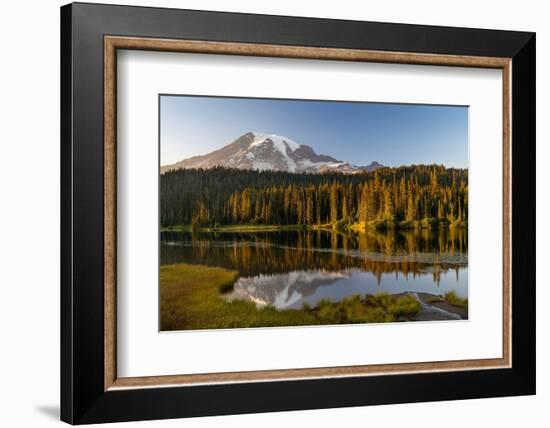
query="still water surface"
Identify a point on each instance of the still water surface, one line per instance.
(289, 268)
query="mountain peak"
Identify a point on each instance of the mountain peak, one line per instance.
(262, 151)
(280, 142)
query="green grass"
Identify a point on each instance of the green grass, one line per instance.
(427, 223)
(454, 300)
(172, 229)
(403, 307)
(238, 228)
(340, 226)
(191, 298)
(374, 308)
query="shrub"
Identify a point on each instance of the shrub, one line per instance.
(354, 309)
(378, 315)
(379, 299)
(327, 312)
(454, 300)
(404, 306)
(341, 225)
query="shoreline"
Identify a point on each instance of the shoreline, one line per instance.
(192, 297)
(355, 227)
(442, 306)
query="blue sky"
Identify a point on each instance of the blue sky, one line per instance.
(392, 134)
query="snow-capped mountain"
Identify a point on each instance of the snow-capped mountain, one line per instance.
(258, 151)
(284, 290)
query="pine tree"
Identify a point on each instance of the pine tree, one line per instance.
(225, 196)
(411, 208)
(309, 207)
(434, 183)
(389, 210)
(334, 203)
(440, 210)
(363, 205)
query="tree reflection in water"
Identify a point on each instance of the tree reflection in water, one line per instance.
(409, 252)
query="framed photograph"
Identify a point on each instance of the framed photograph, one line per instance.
(265, 213)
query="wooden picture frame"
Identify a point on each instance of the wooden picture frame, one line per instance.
(91, 390)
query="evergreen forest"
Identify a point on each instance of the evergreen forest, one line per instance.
(417, 196)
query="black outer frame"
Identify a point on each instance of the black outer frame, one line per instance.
(83, 399)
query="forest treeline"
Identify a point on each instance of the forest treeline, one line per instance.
(409, 196)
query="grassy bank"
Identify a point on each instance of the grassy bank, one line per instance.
(374, 308)
(191, 298)
(428, 223)
(458, 302)
(236, 228)
(450, 302)
(452, 299)
(340, 226)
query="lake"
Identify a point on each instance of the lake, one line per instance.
(287, 269)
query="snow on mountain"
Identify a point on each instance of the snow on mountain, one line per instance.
(259, 151)
(281, 143)
(285, 290)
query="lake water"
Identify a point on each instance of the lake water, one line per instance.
(289, 268)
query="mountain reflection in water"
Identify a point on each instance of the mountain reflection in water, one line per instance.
(289, 268)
